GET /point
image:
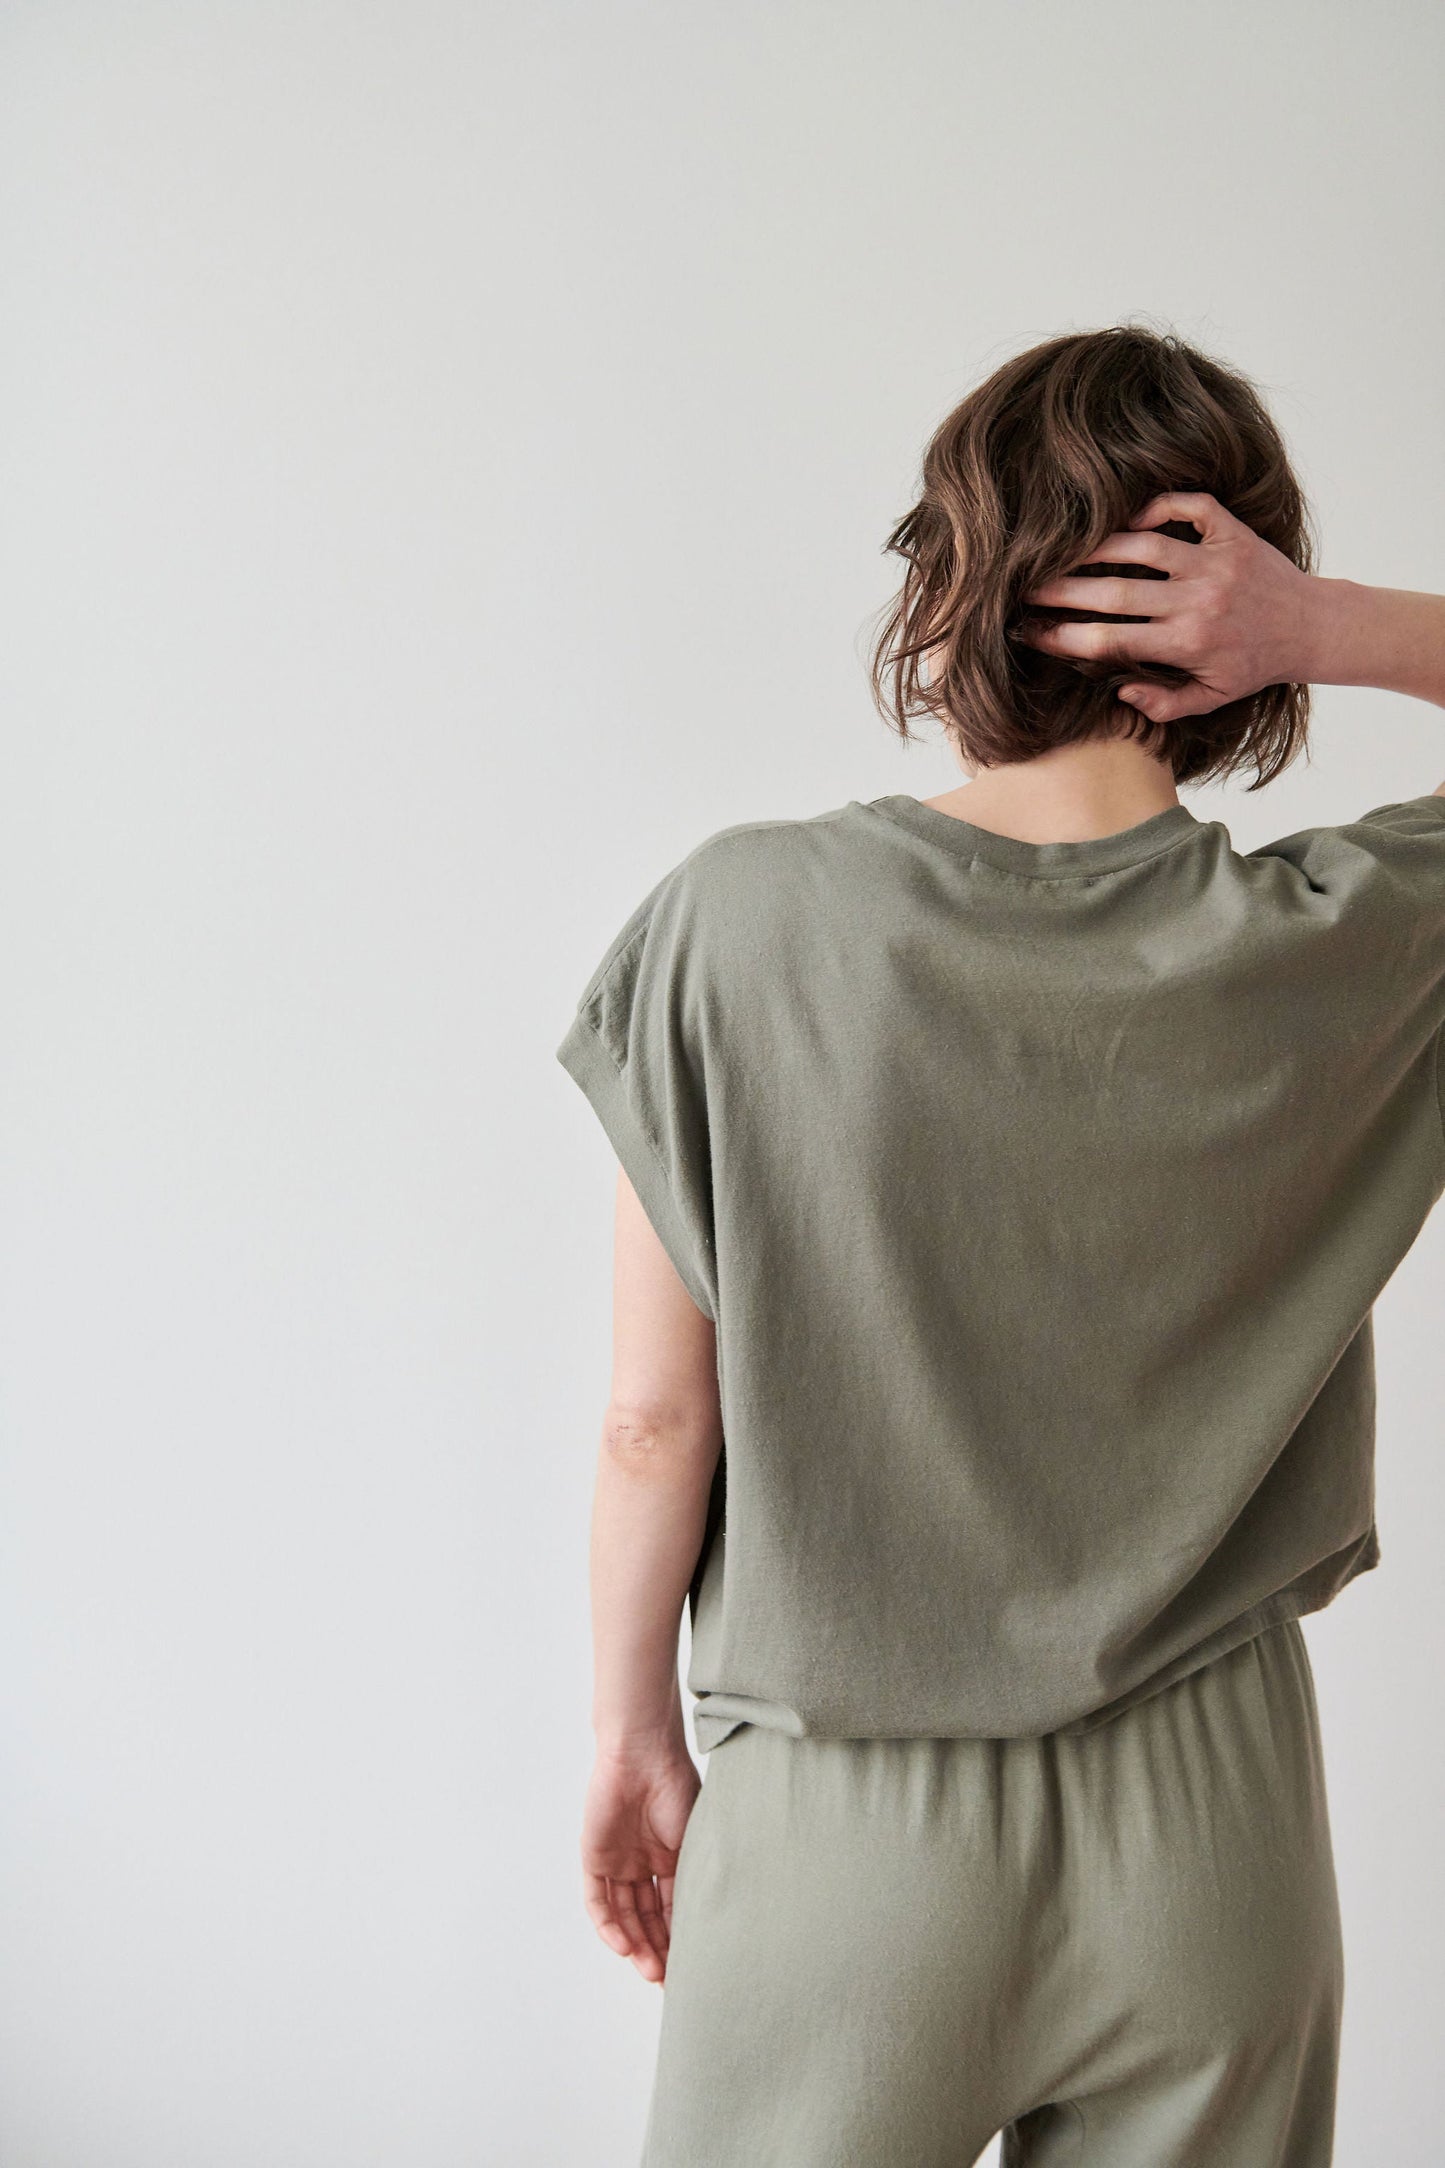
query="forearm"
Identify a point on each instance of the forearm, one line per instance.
(1391, 637)
(649, 1517)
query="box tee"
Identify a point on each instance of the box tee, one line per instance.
(1039, 1195)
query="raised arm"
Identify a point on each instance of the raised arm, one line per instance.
(1238, 615)
(660, 1442)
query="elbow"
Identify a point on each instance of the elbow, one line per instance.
(649, 1440)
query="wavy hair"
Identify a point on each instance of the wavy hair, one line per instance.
(1052, 453)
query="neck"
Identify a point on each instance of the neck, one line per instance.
(1073, 794)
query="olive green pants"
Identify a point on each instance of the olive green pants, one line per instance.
(1120, 1948)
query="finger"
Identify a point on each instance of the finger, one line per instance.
(627, 1904)
(624, 1904)
(1201, 510)
(602, 1915)
(649, 1911)
(1165, 552)
(1168, 704)
(1112, 598)
(1100, 642)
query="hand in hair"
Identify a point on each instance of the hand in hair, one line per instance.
(1230, 609)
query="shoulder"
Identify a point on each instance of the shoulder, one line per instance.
(1404, 840)
(748, 849)
(750, 869)
(722, 895)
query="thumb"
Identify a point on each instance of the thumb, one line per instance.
(1163, 704)
(1155, 701)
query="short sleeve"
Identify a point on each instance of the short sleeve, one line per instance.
(1409, 836)
(1418, 818)
(634, 1048)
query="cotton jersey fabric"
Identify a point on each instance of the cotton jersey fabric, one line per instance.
(1040, 1195)
(1120, 1949)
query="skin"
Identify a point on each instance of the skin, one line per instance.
(1238, 616)
(661, 1437)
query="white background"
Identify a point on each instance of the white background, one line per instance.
(447, 452)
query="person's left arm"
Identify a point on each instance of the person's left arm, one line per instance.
(661, 1436)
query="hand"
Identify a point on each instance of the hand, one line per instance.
(638, 1804)
(1231, 609)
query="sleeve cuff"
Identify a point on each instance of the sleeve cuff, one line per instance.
(592, 1068)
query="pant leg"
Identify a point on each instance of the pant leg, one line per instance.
(844, 1959)
(1121, 1947)
(1204, 1978)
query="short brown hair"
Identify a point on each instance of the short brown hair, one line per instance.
(1056, 450)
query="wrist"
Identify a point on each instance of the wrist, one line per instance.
(1327, 646)
(638, 1734)
(640, 1749)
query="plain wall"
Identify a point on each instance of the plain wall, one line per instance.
(447, 453)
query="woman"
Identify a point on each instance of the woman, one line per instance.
(1006, 1181)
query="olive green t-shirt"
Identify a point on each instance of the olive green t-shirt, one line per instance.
(1039, 1195)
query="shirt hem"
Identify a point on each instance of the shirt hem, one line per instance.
(1293, 1603)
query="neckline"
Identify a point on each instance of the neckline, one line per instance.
(1096, 854)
